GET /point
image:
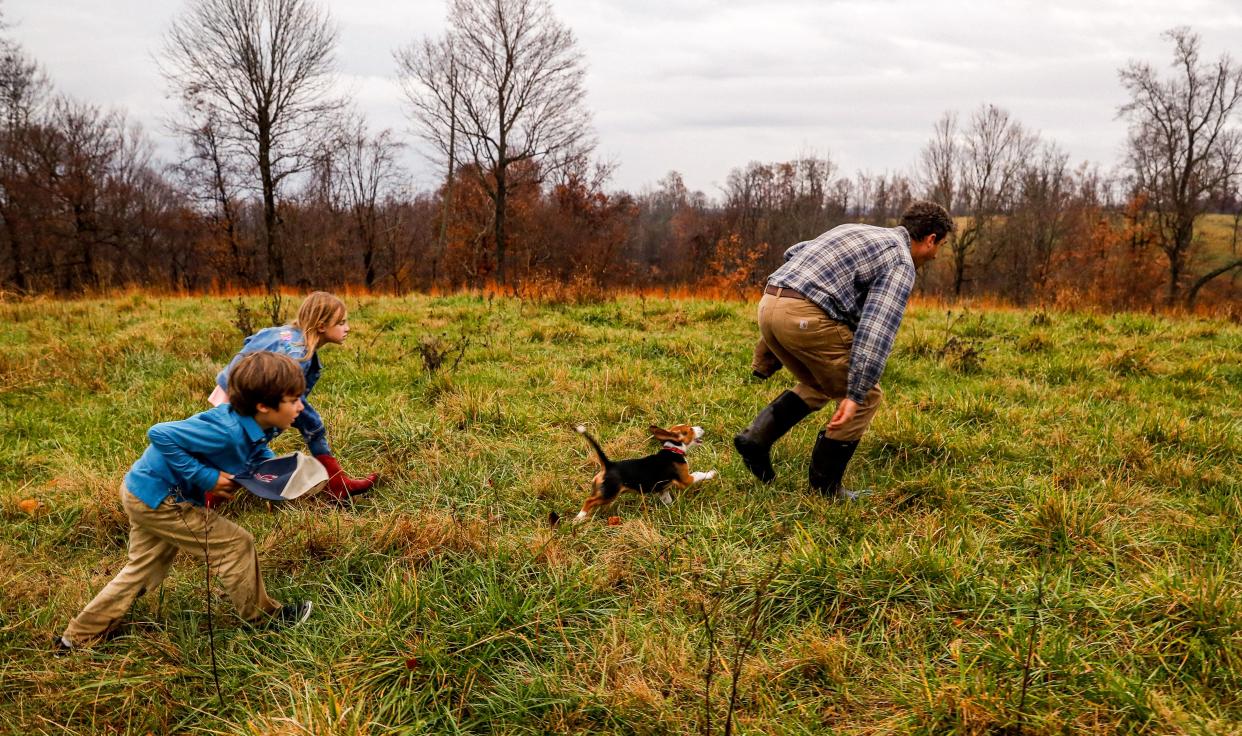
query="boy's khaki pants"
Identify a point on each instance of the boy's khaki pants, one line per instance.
(816, 350)
(155, 537)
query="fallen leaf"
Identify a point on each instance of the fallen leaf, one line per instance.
(614, 521)
(29, 505)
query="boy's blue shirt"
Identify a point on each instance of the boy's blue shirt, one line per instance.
(288, 340)
(185, 458)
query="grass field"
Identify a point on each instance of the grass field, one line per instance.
(1052, 545)
(1217, 231)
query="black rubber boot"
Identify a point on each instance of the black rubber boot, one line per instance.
(828, 461)
(754, 443)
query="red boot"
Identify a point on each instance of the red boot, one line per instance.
(341, 486)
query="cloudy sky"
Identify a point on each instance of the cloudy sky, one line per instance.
(703, 86)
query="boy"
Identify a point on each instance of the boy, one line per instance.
(186, 470)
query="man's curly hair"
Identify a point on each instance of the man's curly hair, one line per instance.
(923, 218)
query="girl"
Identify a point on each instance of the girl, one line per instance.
(321, 321)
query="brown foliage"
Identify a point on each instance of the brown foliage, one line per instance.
(736, 267)
(1114, 266)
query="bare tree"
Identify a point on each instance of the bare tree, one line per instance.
(210, 177)
(23, 90)
(1040, 222)
(1182, 145)
(365, 171)
(989, 156)
(769, 206)
(262, 71)
(940, 162)
(83, 155)
(504, 86)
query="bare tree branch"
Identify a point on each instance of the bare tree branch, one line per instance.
(503, 86)
(1183, 143)
(261, 71)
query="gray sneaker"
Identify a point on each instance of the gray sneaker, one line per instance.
(292, 614)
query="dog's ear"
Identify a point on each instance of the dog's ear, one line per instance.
(661, 434)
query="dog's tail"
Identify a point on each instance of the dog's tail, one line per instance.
(603, 459)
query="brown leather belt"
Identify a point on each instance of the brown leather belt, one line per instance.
(784, 291)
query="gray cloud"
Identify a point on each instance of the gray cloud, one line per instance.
(702, 86)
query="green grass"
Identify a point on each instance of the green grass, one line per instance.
(1070, 480)
(1216, 230)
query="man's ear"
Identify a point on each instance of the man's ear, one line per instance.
(262, 408)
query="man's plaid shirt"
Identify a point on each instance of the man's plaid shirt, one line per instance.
(862, 276)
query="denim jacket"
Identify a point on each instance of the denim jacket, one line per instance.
(288, 340)
(185, 458)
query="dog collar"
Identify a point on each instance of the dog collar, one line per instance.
(674, 448)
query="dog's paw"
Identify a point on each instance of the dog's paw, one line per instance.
(698, 477)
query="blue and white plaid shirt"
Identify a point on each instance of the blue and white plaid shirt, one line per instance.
(862, 276)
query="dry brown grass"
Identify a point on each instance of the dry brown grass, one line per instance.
(318, 711)
(812, 654)
(95, 498)
(419, 537)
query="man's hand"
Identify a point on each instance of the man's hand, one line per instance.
(223, 491)
(844, 413)
(763, 362)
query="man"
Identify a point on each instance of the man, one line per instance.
(830, 315)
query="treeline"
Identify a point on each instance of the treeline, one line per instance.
(291, 188)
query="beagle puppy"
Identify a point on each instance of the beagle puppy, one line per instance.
(651, 474)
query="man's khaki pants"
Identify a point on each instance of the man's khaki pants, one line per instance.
(155, 537)
(816, 350)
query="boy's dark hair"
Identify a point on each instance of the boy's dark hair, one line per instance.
(923, 218)
(264, 378)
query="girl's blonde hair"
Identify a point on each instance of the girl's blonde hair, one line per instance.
(320, 309)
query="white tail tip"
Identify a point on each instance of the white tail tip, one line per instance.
(581, 428)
